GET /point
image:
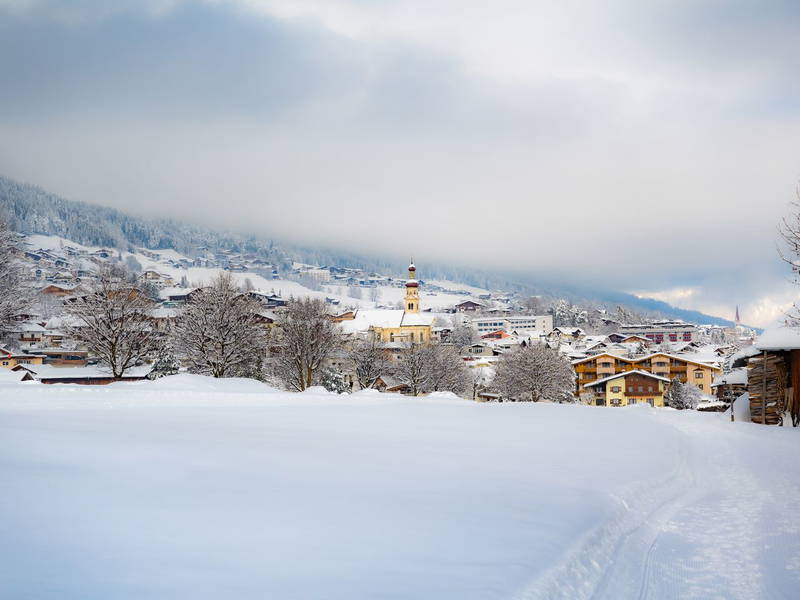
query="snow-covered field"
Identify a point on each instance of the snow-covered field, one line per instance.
(194, 488)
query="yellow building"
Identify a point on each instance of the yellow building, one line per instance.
(600, 366)
(9, 360)
(630, 387)
(408, 325)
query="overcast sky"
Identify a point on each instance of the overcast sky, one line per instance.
(649, 146)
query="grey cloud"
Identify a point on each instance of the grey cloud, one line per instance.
(248, 120)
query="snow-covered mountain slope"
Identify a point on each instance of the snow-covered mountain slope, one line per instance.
(196, 488)
(165, 260)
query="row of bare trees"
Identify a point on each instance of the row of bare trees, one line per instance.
(220, 333)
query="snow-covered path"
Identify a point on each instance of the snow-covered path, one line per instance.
(193, 488)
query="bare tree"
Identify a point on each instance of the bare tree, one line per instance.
(48, 305)
(789, 232)
(305, 337)
(219, 334)
(462, 335)
(13, 295)
(411, 368)
(535, 373)
(113, 321)
(374, 294)
(445, 370)
(369, 361)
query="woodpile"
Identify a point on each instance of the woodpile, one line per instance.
(768, 386)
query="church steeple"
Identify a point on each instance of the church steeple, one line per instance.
(412, 290)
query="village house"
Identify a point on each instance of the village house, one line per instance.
(603, 365)
(468, 306)
(629, 387)
(87, 375)
(59, 290)
(11, 358)
(566, 334)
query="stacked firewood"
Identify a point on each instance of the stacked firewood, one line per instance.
(767, 401)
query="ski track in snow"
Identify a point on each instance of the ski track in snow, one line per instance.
(713, 528)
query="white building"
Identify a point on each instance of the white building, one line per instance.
(520, 324)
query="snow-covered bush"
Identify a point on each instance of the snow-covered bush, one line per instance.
(166, 363)
(333, 380)
(683, 396)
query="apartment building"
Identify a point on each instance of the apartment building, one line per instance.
(525, 324)
(662, 331)
(601, 366)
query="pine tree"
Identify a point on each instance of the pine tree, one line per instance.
(333, 380)
(166, 363)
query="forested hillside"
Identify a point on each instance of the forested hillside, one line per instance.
(29, 209)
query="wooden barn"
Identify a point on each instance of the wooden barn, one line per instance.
(773, 377)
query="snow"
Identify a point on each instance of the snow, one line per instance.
(189, 487)
(53, 371)
(364, 319)
(779, 338)
(54, 242)
(734, 377)
(446, 284)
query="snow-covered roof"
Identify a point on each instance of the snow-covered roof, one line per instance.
(646, 357)
(365, 319)
(734, 377)
(9, 376)
(412, 319)
(27, 327)
(779, 338)
(63, 321)
(165, 293)
(385, 318)
(625, 374)
(52, 372)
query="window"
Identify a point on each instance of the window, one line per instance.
(698, 374)
(641, 389)
(700, 386)
(651, 402)
(650, 388)
(615, 389)
(631, 401)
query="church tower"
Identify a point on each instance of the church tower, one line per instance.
(412, 290)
